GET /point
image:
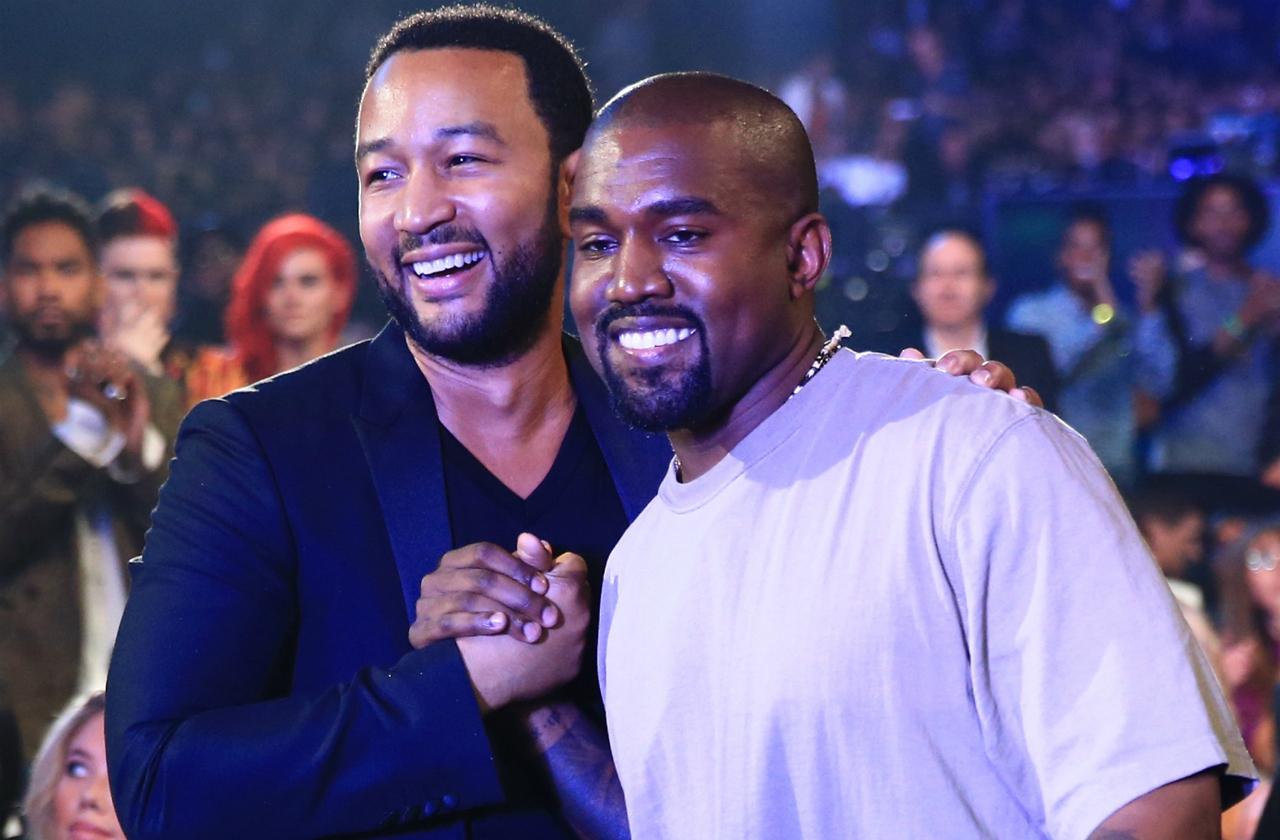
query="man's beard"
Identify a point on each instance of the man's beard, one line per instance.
(657, 402)
(516, 306)
(50, 344)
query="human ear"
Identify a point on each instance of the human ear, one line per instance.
(808, 252)
(564, 189)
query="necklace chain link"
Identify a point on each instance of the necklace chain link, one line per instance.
(826, 354)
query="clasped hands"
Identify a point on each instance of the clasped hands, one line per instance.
(520, 617)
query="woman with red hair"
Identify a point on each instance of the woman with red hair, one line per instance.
(290, 299)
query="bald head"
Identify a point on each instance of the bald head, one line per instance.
(753, 126)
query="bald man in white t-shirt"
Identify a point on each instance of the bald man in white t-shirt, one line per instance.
(869, 600)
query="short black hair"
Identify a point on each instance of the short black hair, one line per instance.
(1088, 212)
(558, 84)
(41, 204)
(1246, 189)
(1167, 504)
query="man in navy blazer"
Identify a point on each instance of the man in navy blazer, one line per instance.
(263, 683)
(286, 667)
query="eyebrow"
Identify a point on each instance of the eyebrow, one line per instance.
(477, 128)
(683, 206)
(591, 214)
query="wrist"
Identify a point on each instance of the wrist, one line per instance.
(548, 723)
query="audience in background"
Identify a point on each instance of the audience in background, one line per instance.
(68, 797)
(139, 262)
(290, 299)
(1208, 339)
(1173, 526)
(1089, 335)
(84, 439)
(952, 288)
(1248, 554)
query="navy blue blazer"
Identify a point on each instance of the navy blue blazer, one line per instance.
(262, 683)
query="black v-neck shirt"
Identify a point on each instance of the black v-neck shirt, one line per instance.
(575, 508)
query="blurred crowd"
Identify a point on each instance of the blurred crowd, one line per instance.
(1011, 94)
(195, 273)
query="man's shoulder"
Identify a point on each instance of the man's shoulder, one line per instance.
(929, 413)
(332, 380)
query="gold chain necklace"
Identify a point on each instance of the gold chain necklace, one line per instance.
(826, 354)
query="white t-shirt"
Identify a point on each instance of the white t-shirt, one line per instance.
(903, 606)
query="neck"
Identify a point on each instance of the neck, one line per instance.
(291, 353)
(1226, 266)
(702, 448)
(512, 417)
(956, 336)
(46, 372)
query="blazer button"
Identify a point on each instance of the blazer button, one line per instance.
(449, 800)
(430, 807)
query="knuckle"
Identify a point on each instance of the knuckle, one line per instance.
(484, 579)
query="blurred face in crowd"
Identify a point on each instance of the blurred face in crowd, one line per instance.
(304, 298)
(1084, 256)
(1221, 223)
(1262, 574)
(51, 286)
(142, 272)
(680, 270)
(82, 805)
(1176, 545)
(458, 202)
(952, 287)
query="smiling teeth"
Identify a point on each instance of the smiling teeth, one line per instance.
(426, 268)
(648, 339)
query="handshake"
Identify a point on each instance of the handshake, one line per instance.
(520, 617)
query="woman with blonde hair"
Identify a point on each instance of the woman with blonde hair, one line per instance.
(68, 796)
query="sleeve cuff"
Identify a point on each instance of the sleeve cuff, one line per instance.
(153, 447)
(85, 431)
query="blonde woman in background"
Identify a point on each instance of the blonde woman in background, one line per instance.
(68, 797)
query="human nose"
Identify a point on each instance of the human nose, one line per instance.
(424, 203)
(638, 274)
(95, 795)
(48, 284)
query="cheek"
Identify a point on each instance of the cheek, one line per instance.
(65, 797)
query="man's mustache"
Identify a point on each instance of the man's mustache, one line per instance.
(443, 235)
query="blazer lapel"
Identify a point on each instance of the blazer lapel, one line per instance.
(400, 434)
(636, 460)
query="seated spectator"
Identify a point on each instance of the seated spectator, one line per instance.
(1210, 337)
(1089, 335)
(68, 797)
(1250, 552)
(1174, 528)
(952, 287)
(139, 261)
(290, 299)
(84, 438)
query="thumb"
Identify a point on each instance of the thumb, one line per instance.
(569, 565)
(533, 551)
